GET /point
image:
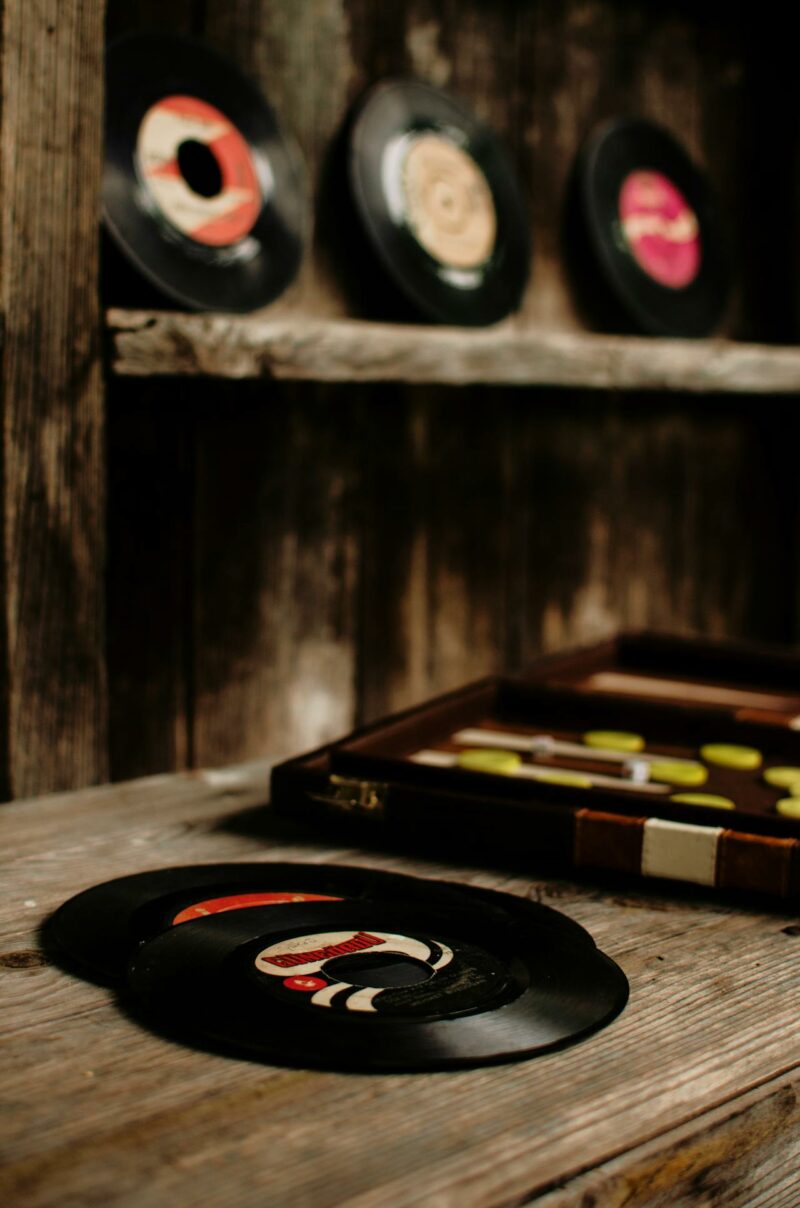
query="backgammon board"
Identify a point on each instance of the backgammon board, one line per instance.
(582, 761)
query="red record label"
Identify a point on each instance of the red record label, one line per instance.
(230, 213)
(661, 228)
(241, 901)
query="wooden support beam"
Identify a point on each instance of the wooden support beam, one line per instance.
(53, 694)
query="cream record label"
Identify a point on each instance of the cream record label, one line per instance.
(435, 197)
(448, 202)
(373, 971)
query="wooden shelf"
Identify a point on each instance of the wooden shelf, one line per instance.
(150, 343)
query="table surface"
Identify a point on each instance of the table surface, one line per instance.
(691, 1096)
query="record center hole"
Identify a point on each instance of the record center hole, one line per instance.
(199, 167)
(378, 970)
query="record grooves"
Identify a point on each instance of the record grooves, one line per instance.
(643, 241)
(266, 983)
(343, 968)
(202, 189)
(439, 204)
(100, 928)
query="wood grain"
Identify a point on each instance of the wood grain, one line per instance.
(276, 566)
(149, 581)
(625, 524)
(348, 551)
(442, 567)
(744, 1154)
(54, 700)
(229, 346)
(700, 1070)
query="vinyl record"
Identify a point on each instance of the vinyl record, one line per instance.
(202, 191)
(99, 929)
(439, 203)
(369, 985)
(646, 232)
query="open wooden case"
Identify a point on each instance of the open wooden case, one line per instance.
(422, 776)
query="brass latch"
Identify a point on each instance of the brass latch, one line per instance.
(366, 797)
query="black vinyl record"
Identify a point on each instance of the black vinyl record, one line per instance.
(202, 190)
(646, 234)
(99, 929)
(439, 204)
(375, 986)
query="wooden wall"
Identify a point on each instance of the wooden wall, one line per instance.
(309, 556)
(53, 690)
(283, 560)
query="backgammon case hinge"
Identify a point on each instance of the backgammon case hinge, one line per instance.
(366, 797)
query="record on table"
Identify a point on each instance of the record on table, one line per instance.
(646, 232)
(373, 985)
(100, 928)
(439, 204)
(202, 190)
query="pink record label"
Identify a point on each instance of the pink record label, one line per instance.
(661, 228)
(228, 213)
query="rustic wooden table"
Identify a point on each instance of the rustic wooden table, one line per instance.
(691, 1097)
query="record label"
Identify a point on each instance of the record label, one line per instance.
(660, 228)
(218, 213)
(382, 972)
(439, 205)
(242, 901)
(448, 202)
(203, 190)
(646, 244)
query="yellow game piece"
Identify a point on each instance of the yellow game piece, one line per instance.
(670, 771)
(711, 799)
(500, 763)
(784, 778)
(614, 740)
(789, 807)
(574, 780)
(728, 755)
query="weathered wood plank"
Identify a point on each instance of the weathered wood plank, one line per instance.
(150, 452)
(54, 704)
(97, 1108)
(745, 1154)
(629, 514)
(276, 564)
(62, 823)
(442, 575)
(148, 343)
(349, 552)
